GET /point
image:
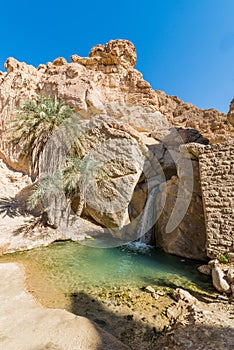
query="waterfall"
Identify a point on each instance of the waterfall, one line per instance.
(147, 220)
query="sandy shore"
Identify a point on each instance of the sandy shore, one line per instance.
(26, 325)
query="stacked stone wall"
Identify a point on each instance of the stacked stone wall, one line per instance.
(216, 163)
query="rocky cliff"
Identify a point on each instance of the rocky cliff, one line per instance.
(105, 82)
(132, 132)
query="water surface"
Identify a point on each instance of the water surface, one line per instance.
(68, 267)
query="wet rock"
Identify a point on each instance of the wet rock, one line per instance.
(205, 269)
(101, 323)
(222, 298)
(129, 317)
(150, 289)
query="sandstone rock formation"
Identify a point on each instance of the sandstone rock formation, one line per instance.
(104, 81)
(188, 238)
(22, 230)
(113, 159)
(231, 113)
(210, 123)
(119, 113)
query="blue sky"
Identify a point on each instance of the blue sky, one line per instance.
(184, 47)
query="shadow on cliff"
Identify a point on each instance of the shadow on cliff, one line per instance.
(9, 206)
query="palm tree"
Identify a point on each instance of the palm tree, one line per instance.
(77, 175)
(34, 122)
(47, 185)
(74, 180)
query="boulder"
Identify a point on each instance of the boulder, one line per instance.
(181, 294)
(230, 256)
(205, 270)
(218, 277)
(150, 289)
(118, 159)
(180, 228)
(117, 52)
(60, 61)
(112, 159)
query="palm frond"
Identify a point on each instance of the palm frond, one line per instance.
(35, 121)
(48, 185)
(70, 175)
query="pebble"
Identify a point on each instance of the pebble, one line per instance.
(221, 297)
(207, 312)
(150, 289)
(205, 269)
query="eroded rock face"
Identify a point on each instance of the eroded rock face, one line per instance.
(112, 158)
(213, 125)
(106, 81)
(187, 238)
(18, 83)
(115, 52)
(116, 155)
(124, 116)
(231, 113)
